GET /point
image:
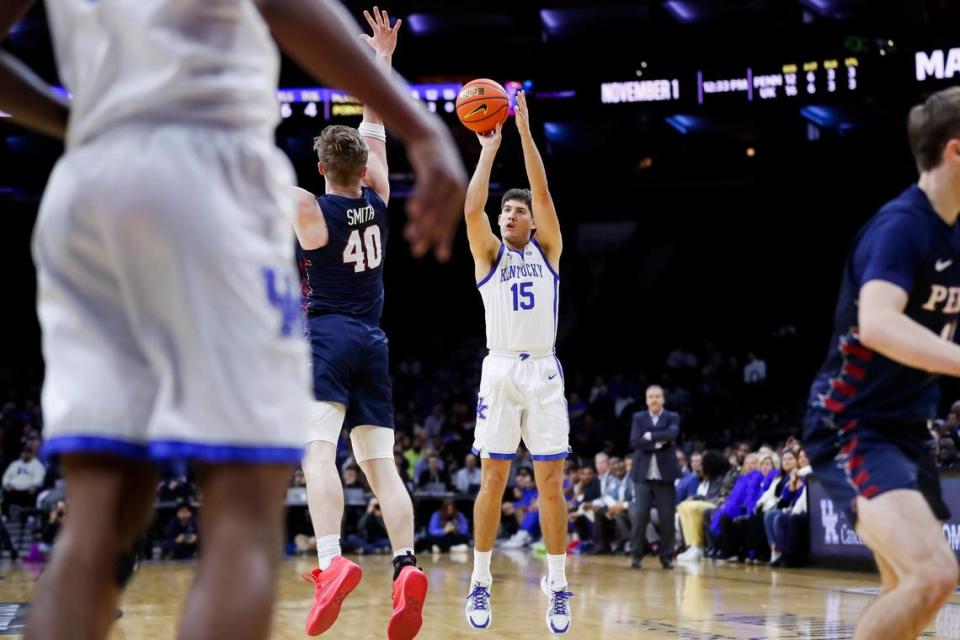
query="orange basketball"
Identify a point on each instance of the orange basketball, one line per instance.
(482, 105)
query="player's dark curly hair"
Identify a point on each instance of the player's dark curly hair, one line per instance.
(523, 195)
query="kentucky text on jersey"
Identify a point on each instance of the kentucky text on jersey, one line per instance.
(906, 244)
(521, 271)
(520, 298)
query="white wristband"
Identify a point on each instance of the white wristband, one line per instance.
(373, 130)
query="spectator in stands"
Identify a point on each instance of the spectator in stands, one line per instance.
(181, 537)
(420, 467)
(448, 530)
(791, 526)
(371, 535)
(433, 478)
(688, 481)
(741, 501)
(414, 454)
(755, 371)
(743, 450)
(597, 508)
(709, 495)
(612, 516)
(435, 422)
(587, 488)
(947, 455)
(467, 479)
(521, 515)
(50, 531)
(22, 480)
(782, 493)
(731, 454)
(682, 462)
(608, 482)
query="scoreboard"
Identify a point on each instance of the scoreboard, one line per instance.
(320, 102)
(792, 80)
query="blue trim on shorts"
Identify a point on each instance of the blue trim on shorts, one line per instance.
(494, 456)
(552, 456)
(220, 453)
(59, 445)
(160, 450)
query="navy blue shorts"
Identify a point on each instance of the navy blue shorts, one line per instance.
(869, 458)
(350, 366)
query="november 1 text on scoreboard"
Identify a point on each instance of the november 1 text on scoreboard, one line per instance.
(640, 91)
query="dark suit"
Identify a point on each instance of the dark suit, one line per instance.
(660, 493)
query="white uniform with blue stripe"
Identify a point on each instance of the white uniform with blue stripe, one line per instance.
(521, 387)
(167, 295)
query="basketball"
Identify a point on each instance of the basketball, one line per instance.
(482, 105)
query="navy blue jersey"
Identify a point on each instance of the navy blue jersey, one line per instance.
(909, 245)
(346, 276)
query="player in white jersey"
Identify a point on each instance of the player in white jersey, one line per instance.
(521, 389)
(167, 296)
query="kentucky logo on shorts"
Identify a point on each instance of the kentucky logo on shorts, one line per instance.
(286, 301)
(482, 409)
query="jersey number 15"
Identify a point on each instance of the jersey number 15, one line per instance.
(522, 296)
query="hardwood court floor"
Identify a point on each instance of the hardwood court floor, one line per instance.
(704, 601)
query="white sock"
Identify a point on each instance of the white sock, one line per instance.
(328, 548)
(402, 552)
(481, 568)
(557, 571)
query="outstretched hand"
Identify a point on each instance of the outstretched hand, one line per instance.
(491, 138)
(384, 38)
(522, 113)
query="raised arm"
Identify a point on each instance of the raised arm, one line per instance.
(319, 34)
(309, 223)
(383, 42)
(484, 245)
(28, 99)
(544, 212)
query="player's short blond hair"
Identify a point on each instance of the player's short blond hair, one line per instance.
(342, 151)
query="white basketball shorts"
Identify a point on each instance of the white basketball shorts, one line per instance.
(522, 398)
(168, 299)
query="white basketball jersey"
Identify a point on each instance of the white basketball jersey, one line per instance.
(191, 60)
(520, 298)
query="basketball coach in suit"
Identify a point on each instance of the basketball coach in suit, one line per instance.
(653, 436)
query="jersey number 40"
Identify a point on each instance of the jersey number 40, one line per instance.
(364, 255)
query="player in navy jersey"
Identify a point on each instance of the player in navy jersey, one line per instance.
(895, 326)
(342, 242)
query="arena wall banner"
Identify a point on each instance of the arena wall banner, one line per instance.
(833, 541)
